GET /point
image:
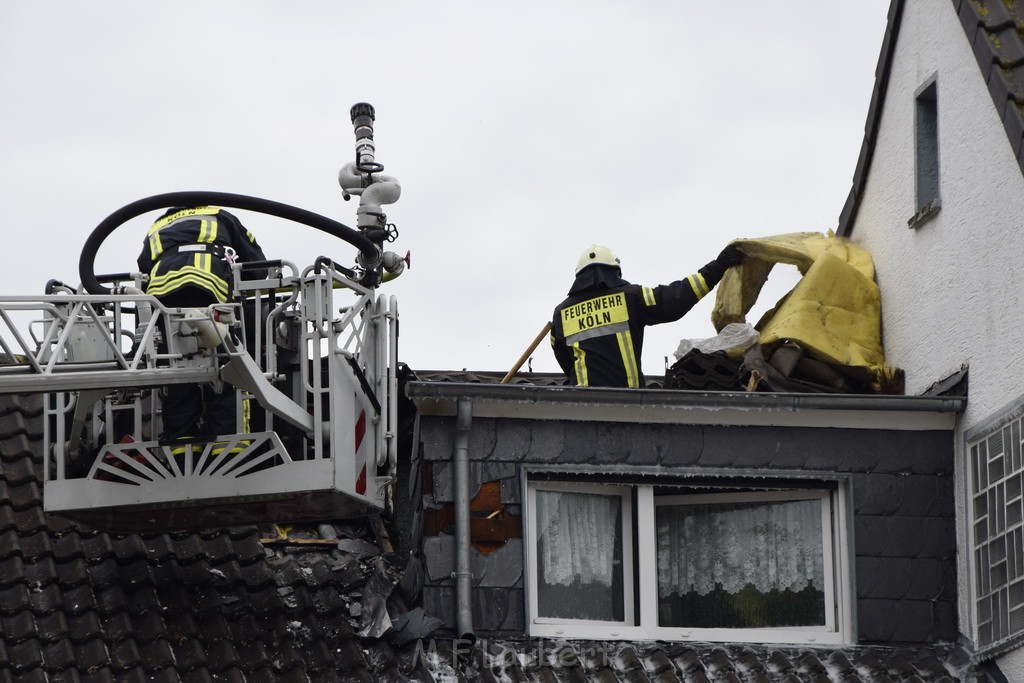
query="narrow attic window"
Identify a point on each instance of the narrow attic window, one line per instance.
(926, 146)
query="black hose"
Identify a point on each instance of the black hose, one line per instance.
(86, 264)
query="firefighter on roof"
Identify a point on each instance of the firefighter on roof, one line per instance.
(188, 255)
(597, 333)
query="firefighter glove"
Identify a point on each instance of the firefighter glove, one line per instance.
(730, 256)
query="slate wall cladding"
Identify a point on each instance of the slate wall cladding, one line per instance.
(902, 498)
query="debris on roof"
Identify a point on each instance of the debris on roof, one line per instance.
(240, 604)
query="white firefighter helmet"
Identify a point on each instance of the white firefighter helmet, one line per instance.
(595, 253)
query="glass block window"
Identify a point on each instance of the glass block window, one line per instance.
(996, 471)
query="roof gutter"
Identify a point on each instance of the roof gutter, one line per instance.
(693, 407)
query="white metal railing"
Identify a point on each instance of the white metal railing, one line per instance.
(101, 359)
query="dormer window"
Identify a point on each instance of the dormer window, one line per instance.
(732, 561)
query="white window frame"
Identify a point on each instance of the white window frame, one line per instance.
(643, 625)
(582, 628)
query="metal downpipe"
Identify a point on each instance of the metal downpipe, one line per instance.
(463, 575)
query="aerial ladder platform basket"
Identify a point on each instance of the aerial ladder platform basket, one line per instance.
(312, 353)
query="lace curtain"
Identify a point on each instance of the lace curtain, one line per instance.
(769, 544)
(578, 538)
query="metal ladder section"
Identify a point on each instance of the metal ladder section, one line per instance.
(323, 378)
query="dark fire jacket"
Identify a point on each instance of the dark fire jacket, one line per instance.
(192, 250)
(597, 333)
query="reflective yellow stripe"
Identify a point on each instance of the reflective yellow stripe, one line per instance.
(699, 286)
(625, 340)
(207, 231)
(649, 296)
(582, 379)
(246, 415)
(155, 248)
(186, 213)
(188, 275)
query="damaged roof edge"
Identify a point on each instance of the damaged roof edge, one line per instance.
(867, 151)
(689, 407)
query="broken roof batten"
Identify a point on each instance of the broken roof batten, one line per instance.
(689, 407)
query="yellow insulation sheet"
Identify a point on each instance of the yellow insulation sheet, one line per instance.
(833, 312)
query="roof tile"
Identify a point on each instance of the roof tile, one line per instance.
(135, 572)
(189, 548)
(256, 574)
(12, 570)
(52, 627)
(14, 423)
(688, 662)
(221, 654)
(25, 656)
(72, 573)
(20, 495)
(189, 654)
(9, 543)
(180, 626)
(655, 664)
(318, 657)
(85, 627)
(159, 548)
(46, 599)
(98, 547)
(79, 600)
(197, 676)
(17, 626)
(59, 656)
(166, 674)
(67, 547)
(253, 653)
(213, 627)
(221, 548)
(15, 448)
(118, 627)
(30, 405)
(149, 626)
(130, 547)
(14, 599)
(328, 601)
(41, 573)
(37, 545)
(157, 654)
(111, 599)
(750, 666)
(19, 470)
(196, 574)
(1013, 117)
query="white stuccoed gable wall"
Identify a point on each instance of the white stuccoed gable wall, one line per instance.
(952, 290)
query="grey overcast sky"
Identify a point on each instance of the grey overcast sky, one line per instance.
(520, 132)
